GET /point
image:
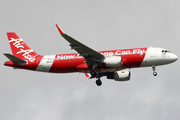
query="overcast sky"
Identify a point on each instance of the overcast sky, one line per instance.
(101, 25)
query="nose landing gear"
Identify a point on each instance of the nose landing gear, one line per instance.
(154, 72)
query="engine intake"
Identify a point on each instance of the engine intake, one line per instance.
(122, 75)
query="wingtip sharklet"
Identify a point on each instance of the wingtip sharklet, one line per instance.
(60, 30)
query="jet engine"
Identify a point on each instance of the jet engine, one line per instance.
(122, 75)
(113, 61)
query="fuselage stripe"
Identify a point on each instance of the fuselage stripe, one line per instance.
(46, 63)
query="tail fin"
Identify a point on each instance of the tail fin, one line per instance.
(19, 48)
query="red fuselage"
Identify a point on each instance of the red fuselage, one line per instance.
(64, 63)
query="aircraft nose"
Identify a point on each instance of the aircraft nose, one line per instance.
(174, 57)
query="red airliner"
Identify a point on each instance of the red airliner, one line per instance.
(94, 64)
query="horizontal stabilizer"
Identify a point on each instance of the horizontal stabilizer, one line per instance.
(15, 59)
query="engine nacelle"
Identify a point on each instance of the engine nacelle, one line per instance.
(122, 75)
(113, 61)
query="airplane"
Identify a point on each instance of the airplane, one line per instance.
(94, 64)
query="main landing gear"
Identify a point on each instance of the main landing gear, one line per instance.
(93, 74)
(154, 72)
(98, 82)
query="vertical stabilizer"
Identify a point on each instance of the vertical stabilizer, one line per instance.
(19, 48)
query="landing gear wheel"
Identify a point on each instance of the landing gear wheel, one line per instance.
(98, 82)
(155, 73)
(93, 73)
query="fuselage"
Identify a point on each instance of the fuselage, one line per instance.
(131, 58)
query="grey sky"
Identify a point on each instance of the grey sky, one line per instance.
(101, 25)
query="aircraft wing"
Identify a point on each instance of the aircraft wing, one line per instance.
(88, 53)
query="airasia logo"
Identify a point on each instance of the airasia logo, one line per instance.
(25, 53)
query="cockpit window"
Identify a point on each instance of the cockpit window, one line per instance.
(165, 51)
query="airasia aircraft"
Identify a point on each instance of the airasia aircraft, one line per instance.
(103, 63)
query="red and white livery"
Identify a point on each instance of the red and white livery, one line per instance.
(111, 64)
